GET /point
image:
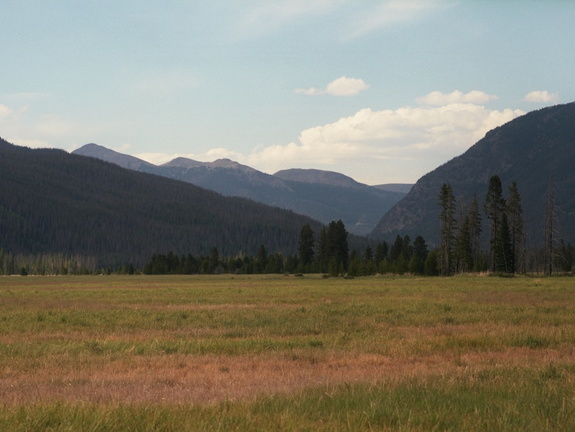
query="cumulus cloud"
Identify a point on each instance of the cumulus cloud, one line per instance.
(541, 96)
(395, 145)
(401, 144)
(342, 86)
(437, 98)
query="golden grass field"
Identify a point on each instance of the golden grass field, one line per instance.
(287, 353)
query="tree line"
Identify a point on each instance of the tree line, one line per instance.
(328, 252)
(461, 234)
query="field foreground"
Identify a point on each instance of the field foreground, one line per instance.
(286, 353)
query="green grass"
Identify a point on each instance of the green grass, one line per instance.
(503, 400)
(380, 353)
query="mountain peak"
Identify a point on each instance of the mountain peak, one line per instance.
(105, 154)
(183, 163)
(318, 177)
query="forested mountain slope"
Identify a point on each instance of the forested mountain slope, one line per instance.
(55, 202)
(321, 195)
(536, 150)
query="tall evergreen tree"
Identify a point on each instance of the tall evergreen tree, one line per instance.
(381, 251)
(214, 261)
(322, 254)
(337, 245)
(262, 259)
(504, 258)
(431, 266)
(475, 231)
(419, 255)
(395, 249)
(464, 246)
(305, 247)
(516, 227)
(550, 215)
(368, 254)
(448, 227)
(494, 207)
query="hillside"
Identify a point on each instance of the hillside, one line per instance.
(536, 150)
(315, 176)
(55, 202)
(322, 195)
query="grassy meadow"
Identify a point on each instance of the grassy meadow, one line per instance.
(226, 353)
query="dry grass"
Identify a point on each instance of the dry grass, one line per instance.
(205, 340)
(178, 379)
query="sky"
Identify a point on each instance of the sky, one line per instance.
(382, 91)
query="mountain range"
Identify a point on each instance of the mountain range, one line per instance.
(322, 195)
(53, 202)
(537, 150)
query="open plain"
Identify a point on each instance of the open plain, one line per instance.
(101, 353)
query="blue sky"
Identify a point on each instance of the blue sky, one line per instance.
(382, 91)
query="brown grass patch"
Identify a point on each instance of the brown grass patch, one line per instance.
(179, 379)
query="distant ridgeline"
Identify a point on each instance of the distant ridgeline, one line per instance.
(321, 195)
(506, 205)
(56, 204)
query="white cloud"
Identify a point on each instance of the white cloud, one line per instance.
(437, 98)
(425, 137)
(397, 145)
(342, 86)
(541, 96)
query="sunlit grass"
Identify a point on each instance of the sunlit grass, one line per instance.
(279, 352)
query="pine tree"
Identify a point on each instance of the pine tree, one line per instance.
(448, 227)
(322, 252)
(381, 252)
(431, 266)
(504, 258)
(494, 207)
(262, 259)
(550, 215)
(395, 249)
(475, 232)
(419, 255)
(305, 247)
(464, 246)
(516, 227)
(337, 244)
